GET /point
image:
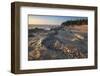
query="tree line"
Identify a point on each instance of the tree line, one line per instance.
(75, 22)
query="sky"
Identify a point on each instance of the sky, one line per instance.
(50, 20)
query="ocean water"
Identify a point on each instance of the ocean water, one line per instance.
(46, 27)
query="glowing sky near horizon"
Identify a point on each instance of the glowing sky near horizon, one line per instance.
(50, 20)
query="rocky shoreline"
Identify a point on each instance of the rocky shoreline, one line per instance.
(57, 43)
